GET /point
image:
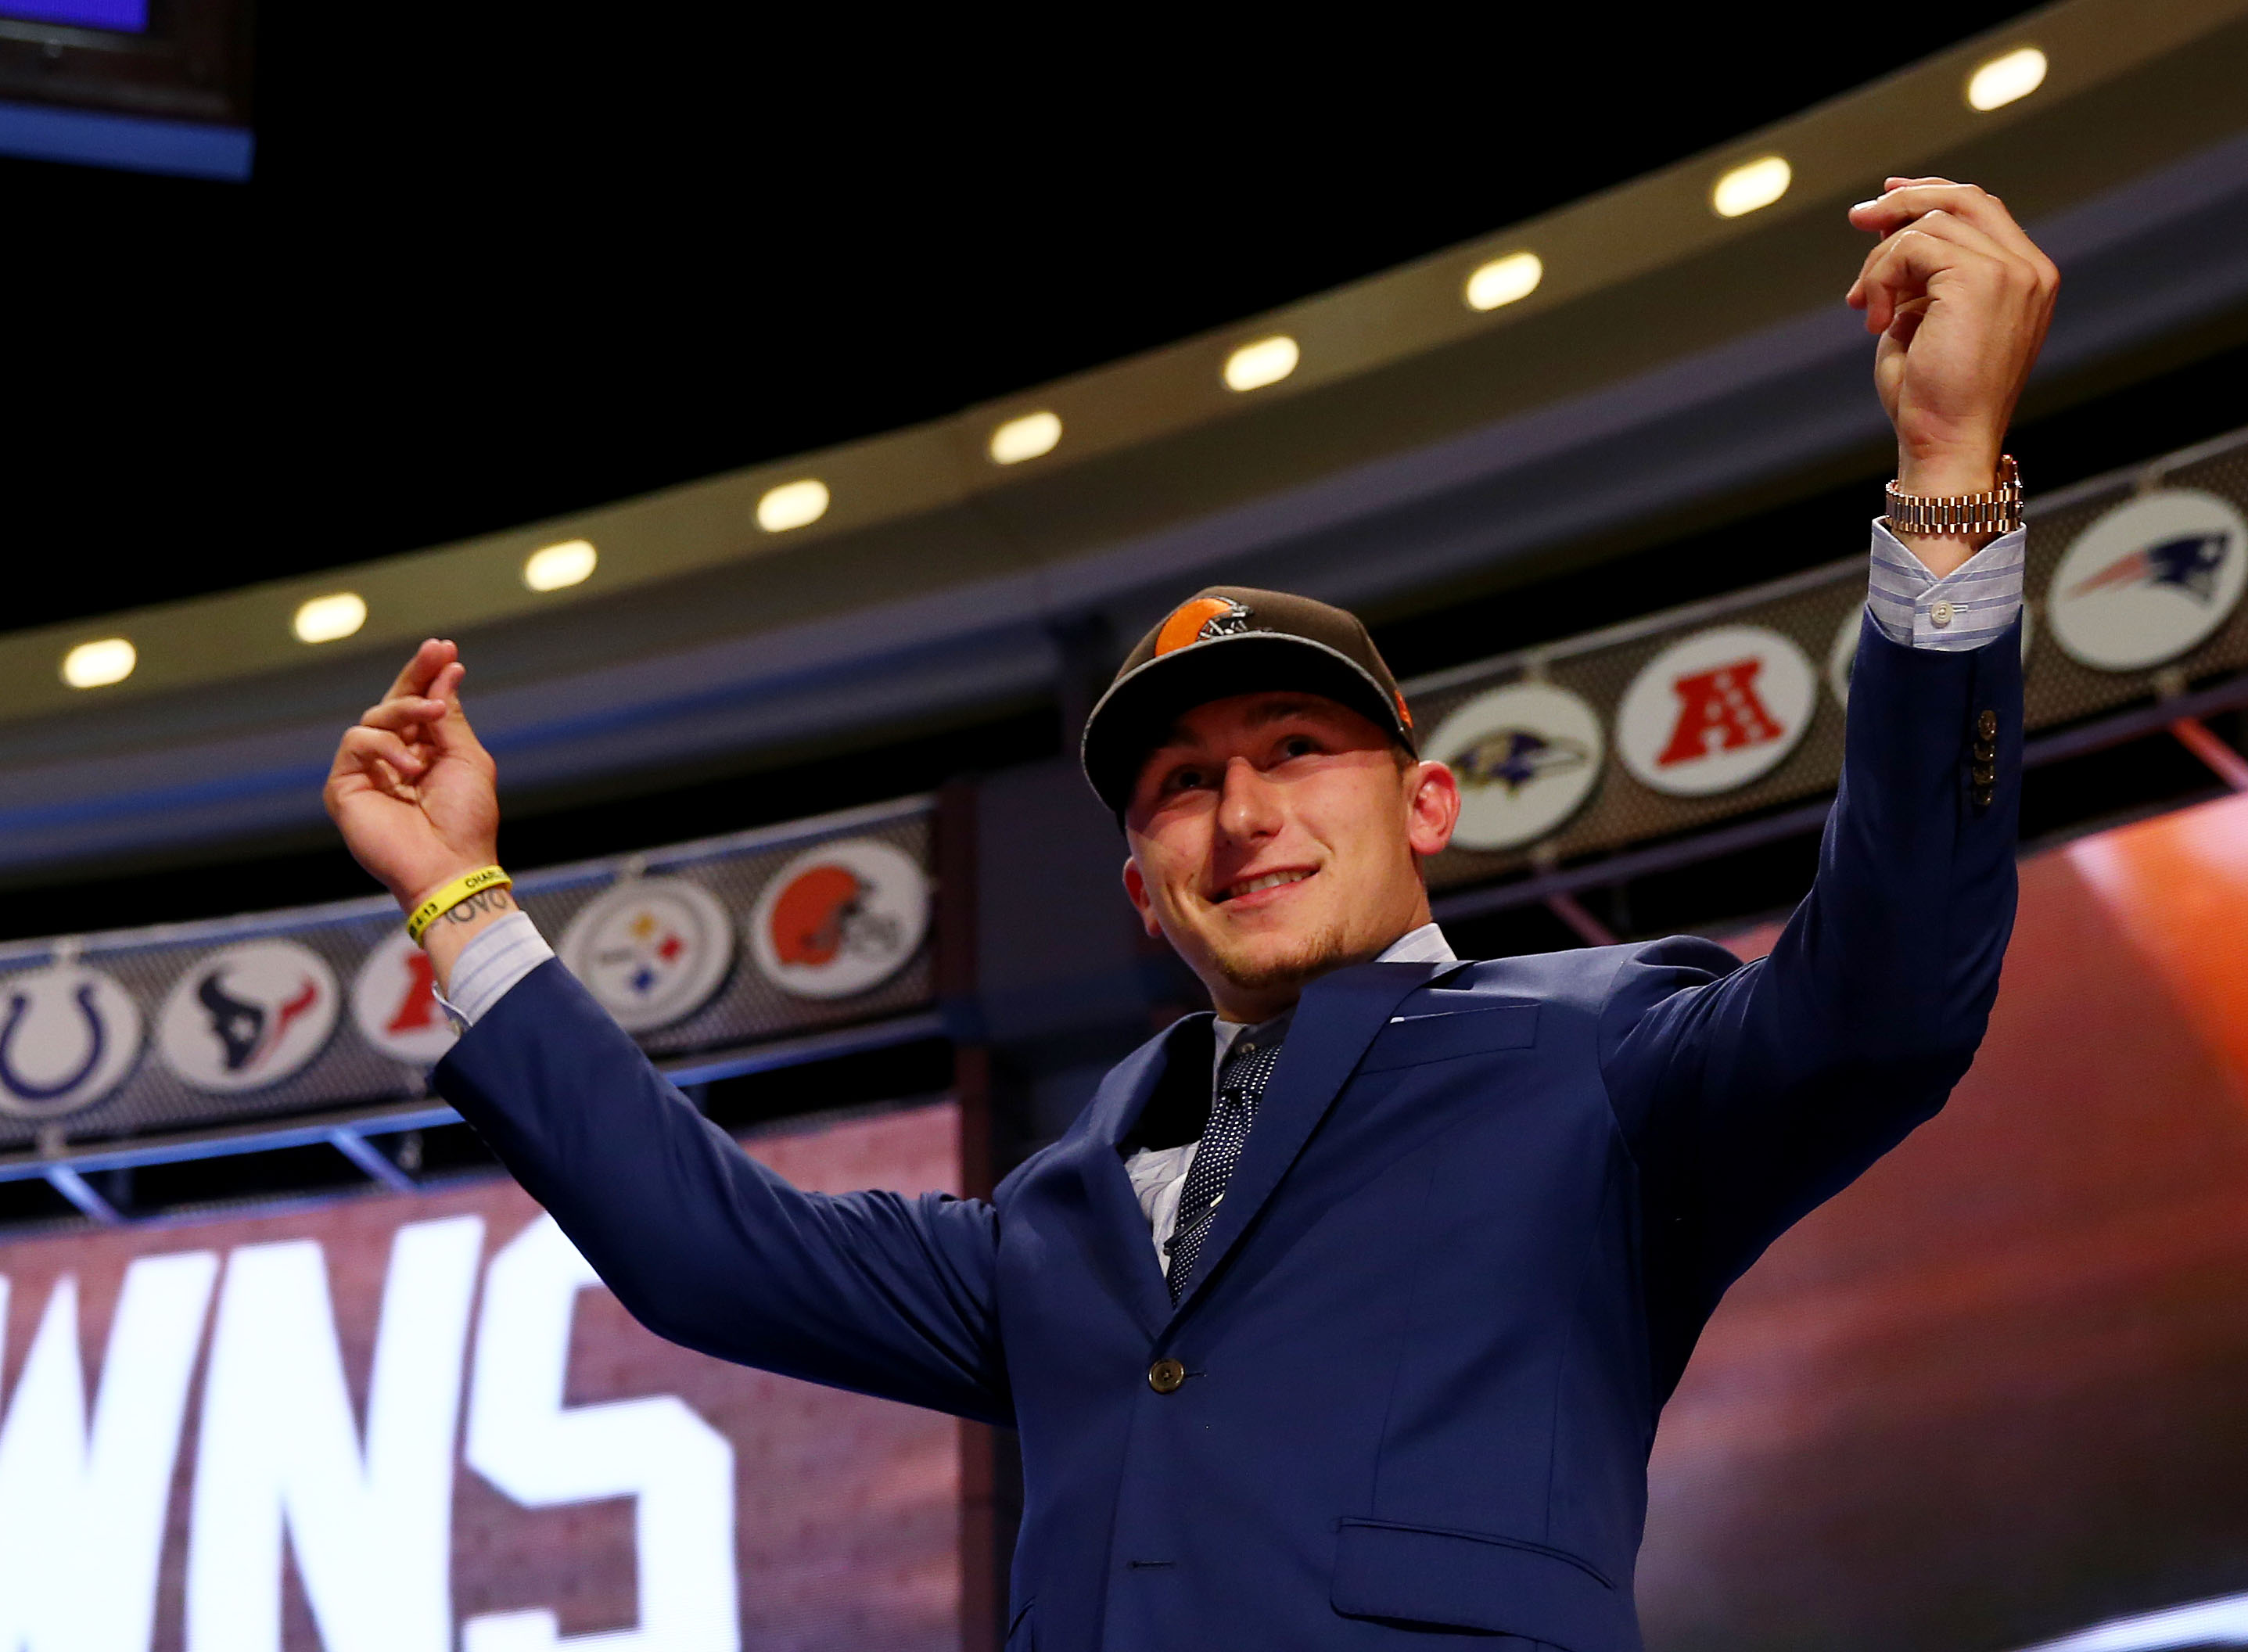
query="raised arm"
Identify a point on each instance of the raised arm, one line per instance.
(873, 1291)
(1752, 1093)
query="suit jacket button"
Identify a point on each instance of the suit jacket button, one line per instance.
(1986, 725)
(1982, 796)
(1165, 1375)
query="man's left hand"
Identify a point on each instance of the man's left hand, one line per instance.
(1961, 299)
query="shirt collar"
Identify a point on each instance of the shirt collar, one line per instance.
(1424, 945)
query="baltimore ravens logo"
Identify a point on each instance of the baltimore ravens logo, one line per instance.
(1514, 757)
(1526, 755)
(2188, 565)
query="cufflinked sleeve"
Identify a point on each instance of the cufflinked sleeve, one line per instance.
(873, 1291)
(1752, 1093)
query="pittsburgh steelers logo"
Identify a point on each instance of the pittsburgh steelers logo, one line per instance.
(249, 1016)
(395, 1005)
(2149, 581)
(651, 950)
(68, 1037)
(839, 919)
(1715, 711)
(1525, 756)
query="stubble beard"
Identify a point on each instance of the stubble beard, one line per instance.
(1263, 969)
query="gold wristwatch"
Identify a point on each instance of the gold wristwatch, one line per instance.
(1960, 515)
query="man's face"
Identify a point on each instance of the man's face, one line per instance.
(1278, 836)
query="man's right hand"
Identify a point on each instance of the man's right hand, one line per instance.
(412, 789)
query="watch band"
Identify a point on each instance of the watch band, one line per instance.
(1959, 515)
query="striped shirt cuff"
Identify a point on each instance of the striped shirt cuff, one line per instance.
(488, 966)
(1967, 608)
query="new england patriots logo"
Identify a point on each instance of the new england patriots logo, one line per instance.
(2188, 565)
(1513, 758)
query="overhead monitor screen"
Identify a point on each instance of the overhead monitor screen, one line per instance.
(127, 16)
(146, 85)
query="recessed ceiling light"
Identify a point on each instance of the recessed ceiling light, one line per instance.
(553, 566)
(1744, 188)
(94, 665)
(1031, 436)
(1267, 361)
(326, 618)
(792, 504)
(2000, 81)
(1503, 280)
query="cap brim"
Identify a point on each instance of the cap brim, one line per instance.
(1140, 709)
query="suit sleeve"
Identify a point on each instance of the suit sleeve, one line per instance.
(1750, 1094)
(872, 1292)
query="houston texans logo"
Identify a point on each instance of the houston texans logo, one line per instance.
(241, 1026)
(2188, 565)
(1513, 758)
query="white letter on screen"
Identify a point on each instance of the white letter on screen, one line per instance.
(373, 1535)
(82, 1522)
(521, 1438)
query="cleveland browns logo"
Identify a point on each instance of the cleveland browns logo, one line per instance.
(1200, 620)
(840, 918)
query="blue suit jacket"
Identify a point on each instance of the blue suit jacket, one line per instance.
(1484, 1215)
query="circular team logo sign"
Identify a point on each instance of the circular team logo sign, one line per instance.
(249, 1016)
(68, 1037)
(2148, 581)
(1526, 756)
(394, 1000)
(1842, 658)
(839, 919)
(651, 950)
(1715, 711)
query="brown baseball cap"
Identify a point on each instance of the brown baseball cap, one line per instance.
(1227, 640)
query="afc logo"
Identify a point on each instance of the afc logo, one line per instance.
(1715, 711)
(394, 1004)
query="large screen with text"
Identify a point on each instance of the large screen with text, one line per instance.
(409, 1423)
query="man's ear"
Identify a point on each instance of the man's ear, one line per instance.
(1136, 886)
(1433, 809)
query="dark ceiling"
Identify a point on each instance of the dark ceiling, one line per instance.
(496, 268)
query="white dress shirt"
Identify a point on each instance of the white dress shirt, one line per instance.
(1159, 1174)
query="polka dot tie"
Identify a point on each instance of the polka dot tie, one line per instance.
(1233, 1111)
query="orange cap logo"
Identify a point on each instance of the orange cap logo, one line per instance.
(1193, 621)
(1403, 715)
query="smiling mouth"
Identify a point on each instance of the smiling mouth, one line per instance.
(1251, 886)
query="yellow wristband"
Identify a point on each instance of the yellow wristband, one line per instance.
(450, 895)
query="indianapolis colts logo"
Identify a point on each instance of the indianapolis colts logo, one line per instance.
(69, 1036)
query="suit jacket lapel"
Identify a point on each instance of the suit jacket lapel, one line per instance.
(1118, 1236)
(1335, 1020)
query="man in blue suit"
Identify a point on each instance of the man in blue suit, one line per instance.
(1342, 1319)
